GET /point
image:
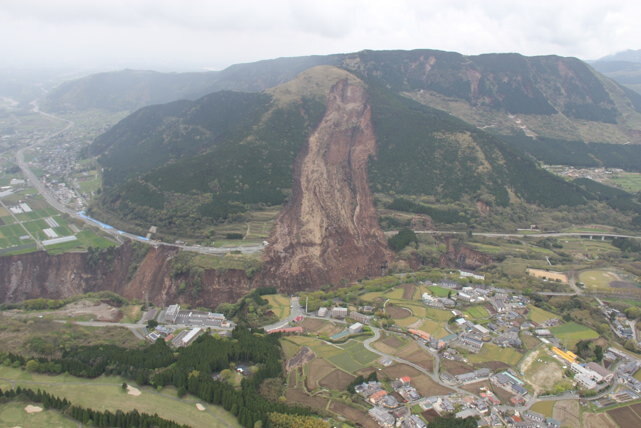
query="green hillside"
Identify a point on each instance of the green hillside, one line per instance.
(189, 164)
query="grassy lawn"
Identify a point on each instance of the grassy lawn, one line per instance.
(544, 407)
(13, 415)
(570, 333)
(280, 305)
(354, 357)
(437, 314)
(599, 279)
(320, 348)
(434, 328)
(628, 181)
(105, 393)
(492, 352)
(539, 315)
(440, 291)
(476, 312)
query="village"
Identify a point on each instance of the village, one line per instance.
(495, 393)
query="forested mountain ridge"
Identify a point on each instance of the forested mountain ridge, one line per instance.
(186, 163)
(547, 96)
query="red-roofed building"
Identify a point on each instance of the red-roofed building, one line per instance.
(290, 330)
(377, 396)
(406, 380)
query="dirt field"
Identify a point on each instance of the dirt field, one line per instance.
(567, 412)
(421, 359)
(352, 414)
(541, 371)
(337, 380)
(408, 291)
(300, 397)
(476, 386)
(393, 341)
(598, 420)
(455, 367)
(320, 327)
(316, 370)
(625, 417)
(492, 365)
(423, 384)
(396, 312)
(96, 310)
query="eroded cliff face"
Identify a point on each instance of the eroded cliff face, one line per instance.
(329, 233)
(39, 274)
(459, 256)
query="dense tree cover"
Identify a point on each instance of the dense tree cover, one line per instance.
(627, 245)
(579, 154)
(250, 310)
(402, 239)
(195, 364)
(281, 420)
(616, 198)
(189, 369)
(89, 416)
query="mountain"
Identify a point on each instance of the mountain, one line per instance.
(332, 146)
(129, 90)
(545, 96)
(192, 162)
(630, 55)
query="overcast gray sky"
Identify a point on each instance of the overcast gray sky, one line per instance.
(197, 34)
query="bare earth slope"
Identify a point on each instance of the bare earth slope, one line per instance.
(329, 232)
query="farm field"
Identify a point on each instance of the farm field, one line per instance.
(280, 305)
(539, 315)
(570, 333)
(13, 414)
(476, 312)
(628, 181)
(491, 352)
(423, 384)
(608, 280)
(440, 291)
(355, 357)
(434, 328)
(105, 393)
(544, 407)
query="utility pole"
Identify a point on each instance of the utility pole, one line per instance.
(306, 301)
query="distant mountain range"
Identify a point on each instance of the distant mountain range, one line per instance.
(623, 67)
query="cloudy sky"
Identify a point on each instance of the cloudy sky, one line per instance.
(199, 34)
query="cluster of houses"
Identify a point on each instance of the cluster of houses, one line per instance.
(508, 381)
(387, 410)
(618, 322)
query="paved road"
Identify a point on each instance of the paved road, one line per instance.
(521, 235)
(295, 310)
(117, 234)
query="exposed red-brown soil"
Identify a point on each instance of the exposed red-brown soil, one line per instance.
(328, 233)
(460, 256)
(36, 275)
(408, 291)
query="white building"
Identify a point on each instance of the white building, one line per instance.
(172, 313)
(339, 312)
(355, 328)
(467, 274)
(322, 312)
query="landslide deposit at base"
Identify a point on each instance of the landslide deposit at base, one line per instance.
(329, 233)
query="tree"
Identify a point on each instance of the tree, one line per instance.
(32, 366)
(598, 353)
(151, 324)
(124, 386)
